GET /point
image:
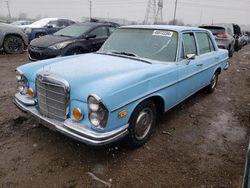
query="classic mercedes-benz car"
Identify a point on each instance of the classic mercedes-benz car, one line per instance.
(139, 73)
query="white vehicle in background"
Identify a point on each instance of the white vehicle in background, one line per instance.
(46, 26)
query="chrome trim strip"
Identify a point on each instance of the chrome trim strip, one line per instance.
(80, 129)
(32, 59)
(164, 87)
(72, 129)
(25, 99)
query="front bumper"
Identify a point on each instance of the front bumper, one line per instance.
(42, 53)
(226, 66)
(73, 129)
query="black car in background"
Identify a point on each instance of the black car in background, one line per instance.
(75, 39)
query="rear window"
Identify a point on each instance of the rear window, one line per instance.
(214, 30)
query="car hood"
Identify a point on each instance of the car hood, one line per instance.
(48, 40)
(9, 28)
(104, 75)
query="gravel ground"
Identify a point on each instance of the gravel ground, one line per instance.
(199, 143)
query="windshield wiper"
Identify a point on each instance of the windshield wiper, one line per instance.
(61, 35)
(125, 53)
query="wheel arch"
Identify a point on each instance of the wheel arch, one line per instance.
(157, 100)
(218, 70)
(14, 34)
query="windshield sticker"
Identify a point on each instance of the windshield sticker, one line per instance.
(162, 33)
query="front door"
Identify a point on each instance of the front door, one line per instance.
(189, 77)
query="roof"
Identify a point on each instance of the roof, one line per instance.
(97, 23)
(164, 27)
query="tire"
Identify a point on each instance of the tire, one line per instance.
(213, 83)
(230, 52)
(13, 45)
(142, 124)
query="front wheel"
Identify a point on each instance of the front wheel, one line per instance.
(213, 83)
(13, 45)
(142, 123)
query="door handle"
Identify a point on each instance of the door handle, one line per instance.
(199, 65)
(217, 57)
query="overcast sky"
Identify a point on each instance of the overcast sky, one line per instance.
(190, 11)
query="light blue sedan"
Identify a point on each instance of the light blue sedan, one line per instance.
(139, 73)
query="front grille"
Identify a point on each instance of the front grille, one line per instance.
(52, 96)
(37, 48)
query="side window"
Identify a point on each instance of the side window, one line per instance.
(100, 32)
(229, 31)
(204, 43)
(63, 23)
(111, 29)
(53, 23)
(189, 45)
(212, 48)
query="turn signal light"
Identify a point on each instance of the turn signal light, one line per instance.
(77, 114)
(30, 92)
(122, 113)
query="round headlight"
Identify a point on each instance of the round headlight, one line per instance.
(98, 113)
(22, 83)
(94, 119)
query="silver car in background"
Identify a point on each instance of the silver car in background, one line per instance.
(223, 36)
(12, 39)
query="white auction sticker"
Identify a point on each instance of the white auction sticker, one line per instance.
(162, 33)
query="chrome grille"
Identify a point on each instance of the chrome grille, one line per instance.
(52, 96)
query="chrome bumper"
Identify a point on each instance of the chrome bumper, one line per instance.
(226, 66)
(73, 129)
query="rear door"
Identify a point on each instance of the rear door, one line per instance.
(208, 57)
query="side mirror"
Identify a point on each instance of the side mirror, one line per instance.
(190, 57)
(90, 36)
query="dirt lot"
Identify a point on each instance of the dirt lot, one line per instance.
(200, 143)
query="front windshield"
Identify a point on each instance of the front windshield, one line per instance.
(158, 45)
(73, 30)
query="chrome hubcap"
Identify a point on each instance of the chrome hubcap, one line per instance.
(214, 81)
(143, 123)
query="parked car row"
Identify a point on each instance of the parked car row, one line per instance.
(227, 36)
(53, 37)
(119, 91)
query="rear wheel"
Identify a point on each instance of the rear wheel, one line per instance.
(13, 45)
(142, 123)
(230, 52)
(213, 83)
